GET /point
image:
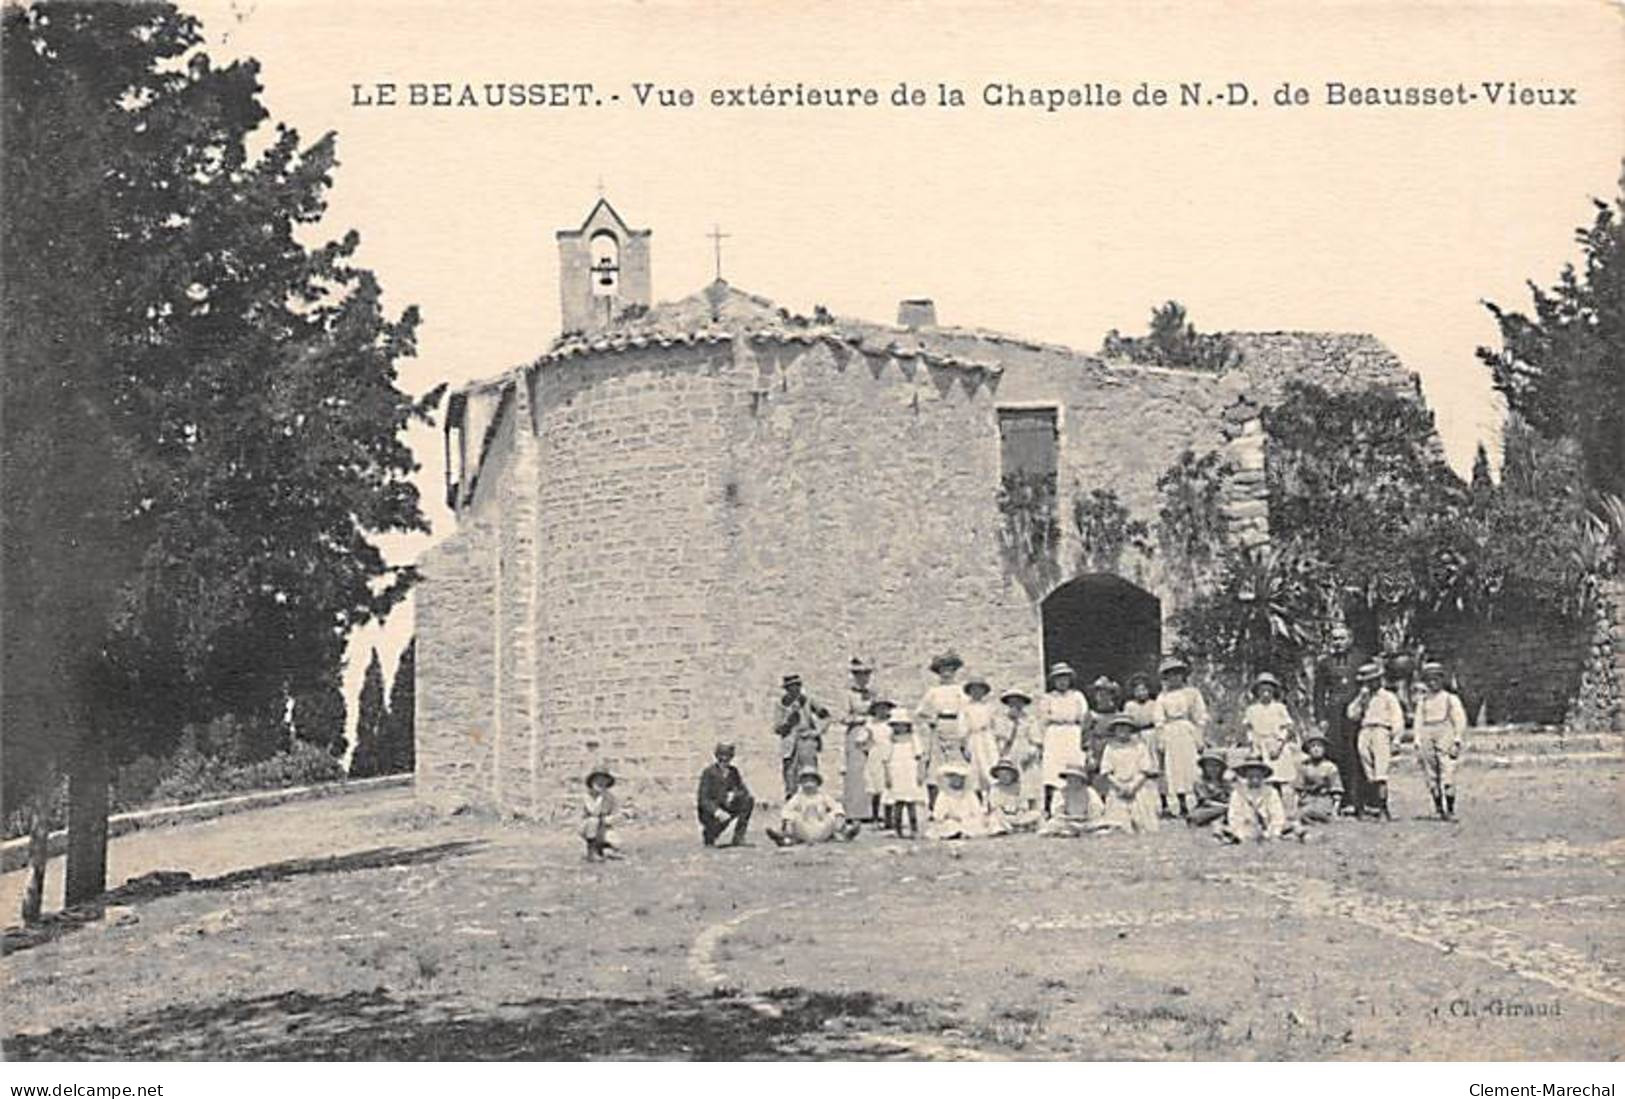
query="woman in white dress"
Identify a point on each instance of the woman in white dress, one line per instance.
(1061, 716)
(978, 718)
(1181, 726)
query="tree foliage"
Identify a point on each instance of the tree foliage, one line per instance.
(1106, 530)
(209, 422)
(400, 724)
(368, 759)
(1191, 530)
(1173, 341)
(1563, 369)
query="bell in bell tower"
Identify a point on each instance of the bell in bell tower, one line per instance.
(603, 270)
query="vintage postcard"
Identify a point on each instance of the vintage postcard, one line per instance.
(737, 531)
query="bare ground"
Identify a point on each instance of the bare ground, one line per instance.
(361, 928)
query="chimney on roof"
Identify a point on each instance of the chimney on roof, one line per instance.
(917, 313)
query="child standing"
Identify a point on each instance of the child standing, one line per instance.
(1008, 802)
(1441, 724)
(1380, 717)
(1021, 743)
(1320, 786)
(1270, 733)
(1128, 770)
(1181, 726)
(598, 815)
(977, 718)
(1255, 814)
(875, 739)
(1212, 791)
(904, 792)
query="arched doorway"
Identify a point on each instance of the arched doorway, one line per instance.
(1101, 623)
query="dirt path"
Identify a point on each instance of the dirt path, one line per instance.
(366, 929)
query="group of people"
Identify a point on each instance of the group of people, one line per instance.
(1064, 765)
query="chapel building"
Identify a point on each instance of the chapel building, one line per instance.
(680, 502)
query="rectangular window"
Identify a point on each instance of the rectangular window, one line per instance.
(1027, 442)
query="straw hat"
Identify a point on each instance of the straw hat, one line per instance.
(1060, 668)
(1013, 693)
(976, 679)
(1432, 667)
(859, 664)
(1073, 770)
(1005, 766)
(1173, 664)
(809, 772)
(600, 770)
(1253, 763)
(790, 680)
(1213, 755)
(954, 768)
(880, 704)
(1121, 722)
(1314, 738)
(1266, 679)
(944, 661)
(900, 716)
(1369, 672)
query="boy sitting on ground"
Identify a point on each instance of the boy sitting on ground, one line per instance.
(1211, 791)
(811, 816)
(1320, 786)
(1255, 814)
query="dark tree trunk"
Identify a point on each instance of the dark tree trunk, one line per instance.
(39, 852)
(87, 820)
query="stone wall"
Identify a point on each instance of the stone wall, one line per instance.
(1525, 666)
(1600, 702)
(658, 533)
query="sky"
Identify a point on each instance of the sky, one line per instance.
(1053, 225)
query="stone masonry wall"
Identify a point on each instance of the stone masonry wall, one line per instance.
(688, 523)
(1600, 703)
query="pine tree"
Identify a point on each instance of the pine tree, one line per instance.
(203, 431)
(400, 724)
(1563, 370)
(369, 724)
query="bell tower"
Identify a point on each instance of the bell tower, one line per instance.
(603, 269)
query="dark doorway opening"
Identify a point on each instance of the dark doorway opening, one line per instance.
(1102, 624)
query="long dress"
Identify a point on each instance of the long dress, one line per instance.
(876, 735)
(1021, 742)
(939, 710)
(1123, 764)
(854, 787)
(902, 770)
(1181, 722)
(978, 720)
(1061, 715)
(1271, 734)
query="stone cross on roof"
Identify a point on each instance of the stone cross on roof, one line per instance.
(717, 237)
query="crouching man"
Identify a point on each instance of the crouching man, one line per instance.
(724, 800)
(811, 816)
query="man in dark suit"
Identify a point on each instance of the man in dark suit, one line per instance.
(1334, 688)
(723, 799)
